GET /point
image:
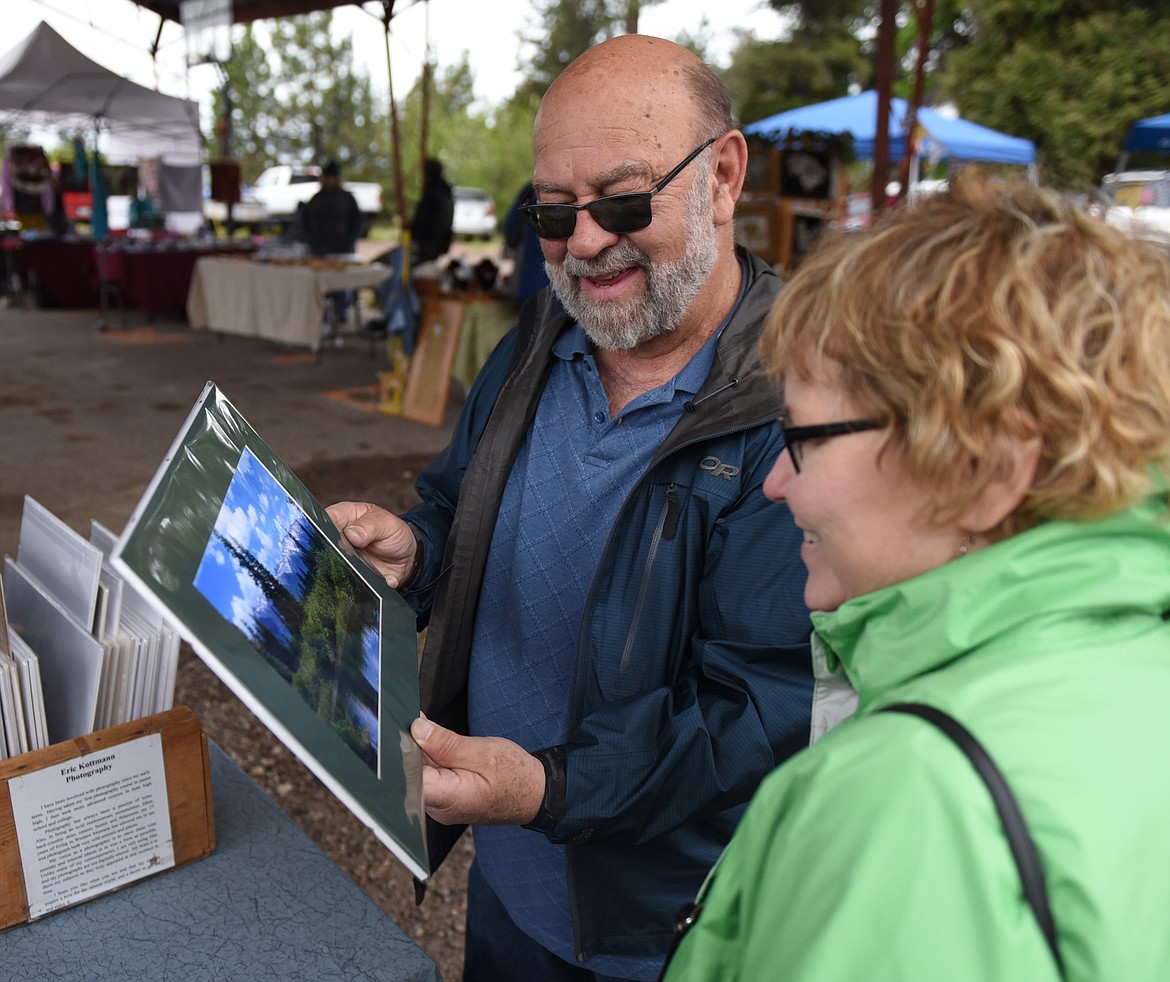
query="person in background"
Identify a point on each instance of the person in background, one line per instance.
(616, 649)
(977, 414)
(528, 275)
(430, 229)
(331, 220)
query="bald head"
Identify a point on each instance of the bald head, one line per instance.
(642, 78)
(633, 114)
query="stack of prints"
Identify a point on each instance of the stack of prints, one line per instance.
(86, 648)
(22, 708)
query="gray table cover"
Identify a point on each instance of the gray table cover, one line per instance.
(266, 904)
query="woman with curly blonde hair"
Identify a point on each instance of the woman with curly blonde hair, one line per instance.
(977, 422)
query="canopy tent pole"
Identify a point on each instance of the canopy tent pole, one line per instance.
(426, 89)
(395, 152)
(908, 171)
(99, 218)
(154, 56)
(224, 127)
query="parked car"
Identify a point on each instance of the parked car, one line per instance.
(1139, 200)
(475, 213)
(246, 211)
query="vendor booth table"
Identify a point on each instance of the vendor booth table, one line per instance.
(154, 279)
(485, 322)
(81, 273)
(61, 272)
(267, 904)
(278, 301)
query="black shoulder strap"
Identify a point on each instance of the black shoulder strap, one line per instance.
(1022, 846)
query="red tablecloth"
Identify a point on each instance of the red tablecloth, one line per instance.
(158, 281)
(62, 272)
(70, 273)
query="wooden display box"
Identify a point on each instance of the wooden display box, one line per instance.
(187, 768)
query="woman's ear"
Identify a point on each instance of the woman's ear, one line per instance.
(1019, 457)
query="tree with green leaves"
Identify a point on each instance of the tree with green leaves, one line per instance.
(247, 86)
(563, 30)
(483, 147)
(1072, 76)
(767, 77)
(297, 97)
(329, 100)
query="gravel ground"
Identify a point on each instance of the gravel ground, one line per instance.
(436, 926)
(85, 417)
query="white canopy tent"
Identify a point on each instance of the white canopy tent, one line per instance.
(46, 81)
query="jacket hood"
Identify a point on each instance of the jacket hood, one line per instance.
(736, 387)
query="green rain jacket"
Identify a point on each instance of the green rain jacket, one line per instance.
(876, 854)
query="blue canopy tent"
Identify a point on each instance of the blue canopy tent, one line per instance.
(1149, 134)
(940, 138)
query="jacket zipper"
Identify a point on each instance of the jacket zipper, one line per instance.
(587, 615)
(570, 879)
(663, 453)
(667, 523)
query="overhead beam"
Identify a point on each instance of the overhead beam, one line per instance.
(246, 11)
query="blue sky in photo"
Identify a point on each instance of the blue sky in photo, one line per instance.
(258, 514)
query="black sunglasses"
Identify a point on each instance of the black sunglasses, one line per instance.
(794, 436)
(616, 213)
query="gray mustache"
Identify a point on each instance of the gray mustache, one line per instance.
(622, 256)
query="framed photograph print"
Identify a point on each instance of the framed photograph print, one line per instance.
(234, 549)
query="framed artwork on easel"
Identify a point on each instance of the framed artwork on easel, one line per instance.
(429, 383)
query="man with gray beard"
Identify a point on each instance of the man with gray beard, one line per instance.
(670, 286)
(617, 644)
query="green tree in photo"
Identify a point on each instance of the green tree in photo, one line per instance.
(336, 616)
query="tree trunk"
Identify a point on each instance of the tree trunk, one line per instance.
(884, 75)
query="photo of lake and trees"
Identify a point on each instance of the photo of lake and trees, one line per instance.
(269, 571)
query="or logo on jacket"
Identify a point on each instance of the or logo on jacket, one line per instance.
(718, 468)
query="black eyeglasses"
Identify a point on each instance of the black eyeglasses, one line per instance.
(794, 436)
(616, 213)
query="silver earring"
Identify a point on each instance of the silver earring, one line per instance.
(965, 545)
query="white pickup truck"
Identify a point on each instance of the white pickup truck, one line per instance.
(280, 189)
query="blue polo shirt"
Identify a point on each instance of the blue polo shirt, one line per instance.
(576, 467)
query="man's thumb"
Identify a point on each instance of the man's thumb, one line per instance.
(358, 535)
(421, 729)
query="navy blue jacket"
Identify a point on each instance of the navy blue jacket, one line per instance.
(693, 670)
